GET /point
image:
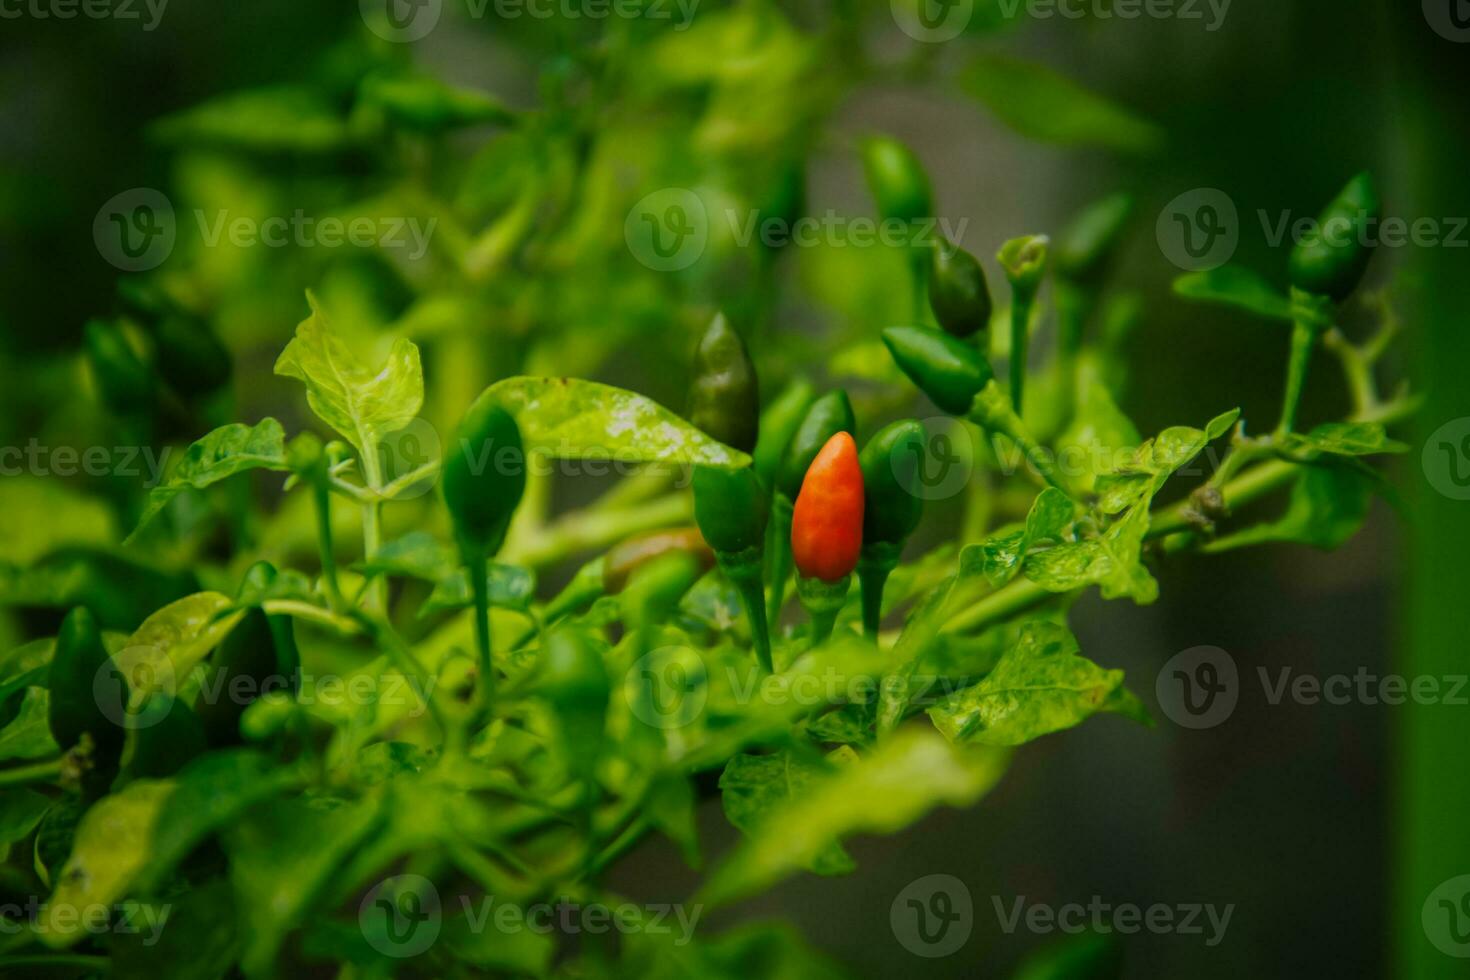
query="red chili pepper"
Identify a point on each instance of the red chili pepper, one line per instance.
(827, 523)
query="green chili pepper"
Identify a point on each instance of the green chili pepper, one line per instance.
(785, 199)
(84, 699)
(189, 356)
(160, 750)
(1332, 260)
(949, 371)
(124, 381)
(484, 477)
(724, 397)
(732, 509)
(257, 656)
(1085, 246)
(891, 463)
(958, 293)
(1024, 261)
(897, 180)
(778, 424)
(824, 418)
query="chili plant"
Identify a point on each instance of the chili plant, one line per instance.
(309, 760)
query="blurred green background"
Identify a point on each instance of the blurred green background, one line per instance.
(1325, 826)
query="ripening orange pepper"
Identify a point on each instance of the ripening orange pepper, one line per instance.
(827, 522)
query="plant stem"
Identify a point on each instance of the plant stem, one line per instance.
(321, 493)
(1022, 298)
(1310, 315)
(822, 601)
(744, 572)
(372, 530)
(877, 563)
(993, 411)
(778, 550)
(478, 568)
(37, 772)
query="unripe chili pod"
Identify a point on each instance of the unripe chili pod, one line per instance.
(958, 293)
(1083, 248)
(827, 523)
(124, 381)
(84, 700)
(1331, 261)
(890, 462)
(897, 180)
(731, 507)
(258, 655)
(949, 371)
(724, 397)
(163, 748)
(484, 477)
(631, 554)
(828, 415)
(778, 424)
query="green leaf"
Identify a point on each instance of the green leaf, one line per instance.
(510, 587)
(228, 450)
(999, 558)
(1098, 433)
(191, 936)
(1043, 105)
(38, 516)
(518, 952)
(755, 786)
(1041, 685)
(771, 951)
(417, 555)
(28, 736)
(568, 418)
(1112, 561)
(20, 811)
(209, 793)
(1327, 506)
(1233, 285)
(160, 654)
(898, 782)
(266, 120)
(282, 856)
(362, 404)
(110, 850)
(1343, 439)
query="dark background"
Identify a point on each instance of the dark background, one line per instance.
(1306, 818)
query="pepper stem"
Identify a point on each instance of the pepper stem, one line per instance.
(743, 569)
(822, 601)
(878, 561)
(1022, 298)
(993, 411)
(1310, 315)
(778, 551)
(479, 571)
